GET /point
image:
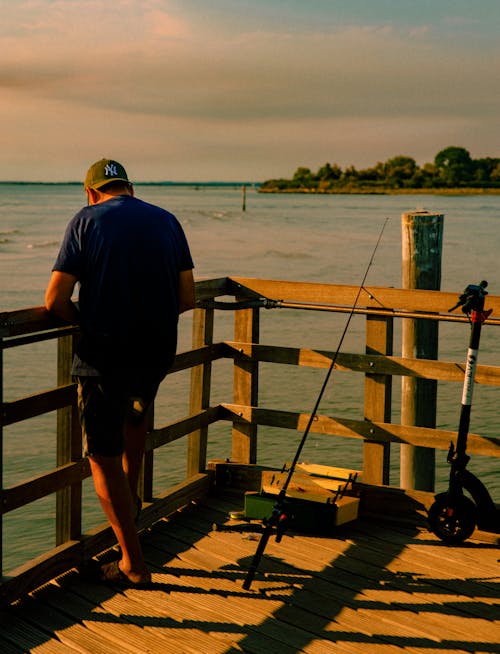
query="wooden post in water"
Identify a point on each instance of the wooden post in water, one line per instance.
(244, 198)
(422, 241)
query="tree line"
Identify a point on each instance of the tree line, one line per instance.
(453, 167)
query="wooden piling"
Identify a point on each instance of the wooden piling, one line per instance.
(422, 240)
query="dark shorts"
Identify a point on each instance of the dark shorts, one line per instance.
(106, 405)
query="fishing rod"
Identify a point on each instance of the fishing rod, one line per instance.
(279, 518)
(453, 516)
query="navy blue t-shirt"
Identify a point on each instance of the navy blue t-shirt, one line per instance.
(127, 255)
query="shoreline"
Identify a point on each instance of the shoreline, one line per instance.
(399, 191)
(257, 186)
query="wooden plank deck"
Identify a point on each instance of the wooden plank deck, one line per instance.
(372, 589)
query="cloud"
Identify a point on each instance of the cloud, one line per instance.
(234, 83)
(163, 25)
(205, 84)
(357, 71)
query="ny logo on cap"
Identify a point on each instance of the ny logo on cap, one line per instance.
(110, 170)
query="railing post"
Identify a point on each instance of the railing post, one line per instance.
(246, 386)
(378, 399)
(1, 454)
(422, 240)
(69, 448)
(201, 376)
(145, 481)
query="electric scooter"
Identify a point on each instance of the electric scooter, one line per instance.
(453, 516)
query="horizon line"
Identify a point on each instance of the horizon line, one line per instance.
(143, 183)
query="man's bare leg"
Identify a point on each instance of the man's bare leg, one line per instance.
(113, 491)
(135, 439)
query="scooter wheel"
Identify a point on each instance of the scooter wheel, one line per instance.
(452, 520)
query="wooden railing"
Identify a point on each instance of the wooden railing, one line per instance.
(381, 306)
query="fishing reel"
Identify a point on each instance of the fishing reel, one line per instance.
(280, 518)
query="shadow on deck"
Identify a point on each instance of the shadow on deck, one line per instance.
(373, 587)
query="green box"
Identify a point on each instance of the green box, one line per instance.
(303, 515)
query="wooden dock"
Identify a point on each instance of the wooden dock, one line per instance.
(371, 588)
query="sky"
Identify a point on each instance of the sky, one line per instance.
(230, 90)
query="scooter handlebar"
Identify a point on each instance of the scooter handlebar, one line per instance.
(472, 298)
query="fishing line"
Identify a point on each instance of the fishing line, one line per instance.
(335, 356)
(277, 513)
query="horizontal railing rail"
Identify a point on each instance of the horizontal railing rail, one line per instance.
(368, 430)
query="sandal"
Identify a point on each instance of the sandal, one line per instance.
(110, 573)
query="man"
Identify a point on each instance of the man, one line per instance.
(134, 268)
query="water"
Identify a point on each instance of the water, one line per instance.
(328, 239)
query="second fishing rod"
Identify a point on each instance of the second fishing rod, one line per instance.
(279, 518)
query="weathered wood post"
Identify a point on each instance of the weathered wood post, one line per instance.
(69, 448)
(1, 454)
(201, 376)
(378, 399)
(146, 473)
(422, 241)
(246, 386)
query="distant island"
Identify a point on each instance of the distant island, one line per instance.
(453, 171)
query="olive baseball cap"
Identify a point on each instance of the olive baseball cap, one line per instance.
(104, 171)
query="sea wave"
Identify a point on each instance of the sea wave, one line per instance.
(281, 254)
(218, 214)
(42, 244)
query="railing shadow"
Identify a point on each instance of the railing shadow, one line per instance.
(349, 597)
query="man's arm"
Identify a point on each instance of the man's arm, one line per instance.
(187, 299)
(58, 296)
